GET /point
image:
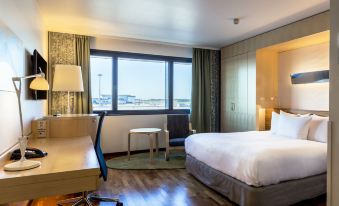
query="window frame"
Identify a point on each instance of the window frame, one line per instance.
(170, 61)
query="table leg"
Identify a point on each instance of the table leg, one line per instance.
(129, 146)
(151, 147)
(157, 143)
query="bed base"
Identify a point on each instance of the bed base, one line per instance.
(284, 193)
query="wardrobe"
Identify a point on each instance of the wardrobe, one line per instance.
(247, 81)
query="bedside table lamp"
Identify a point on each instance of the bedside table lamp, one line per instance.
(39, 83)
(67, 78)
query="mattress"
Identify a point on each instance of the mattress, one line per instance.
(258, 158)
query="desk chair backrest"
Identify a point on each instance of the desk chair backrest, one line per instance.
(178, 126)
(97, 147)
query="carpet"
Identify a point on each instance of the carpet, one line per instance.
(142, 162)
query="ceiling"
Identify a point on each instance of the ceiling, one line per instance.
(195, 23)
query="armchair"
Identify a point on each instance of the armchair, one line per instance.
(177, 129)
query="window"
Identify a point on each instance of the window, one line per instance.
(101, 82)
(142, 84)
(128, 83)
(182, 85)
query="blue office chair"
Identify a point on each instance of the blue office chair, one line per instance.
(86, 197)
(102, 163)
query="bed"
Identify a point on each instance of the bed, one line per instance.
(258, 168)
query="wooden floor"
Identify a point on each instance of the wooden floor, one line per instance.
(157, 188)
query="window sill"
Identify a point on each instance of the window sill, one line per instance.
(144, 112)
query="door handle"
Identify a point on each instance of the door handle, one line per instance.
(233, 106)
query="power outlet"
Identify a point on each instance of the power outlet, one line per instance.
(41, 125)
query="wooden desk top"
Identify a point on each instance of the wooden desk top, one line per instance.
(73, 116)
(67, 158)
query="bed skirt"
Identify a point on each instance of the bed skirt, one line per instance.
(284, 193)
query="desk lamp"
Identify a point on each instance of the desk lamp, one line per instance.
(39, 83)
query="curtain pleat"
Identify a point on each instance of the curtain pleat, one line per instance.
(82, 58)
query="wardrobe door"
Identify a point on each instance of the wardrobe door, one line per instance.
(251, 98)
(227, 97)
(223, 99)
(234, 94)
(240, 109)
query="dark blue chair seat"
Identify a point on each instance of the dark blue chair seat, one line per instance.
(176, 142)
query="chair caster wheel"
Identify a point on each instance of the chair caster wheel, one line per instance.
(119, 204)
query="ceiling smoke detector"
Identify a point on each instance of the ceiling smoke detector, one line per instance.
(236, 21)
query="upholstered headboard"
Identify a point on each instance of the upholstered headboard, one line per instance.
(300, 111)
(268, 114)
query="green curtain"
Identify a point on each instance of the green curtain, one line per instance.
(71, 49)
(82, 58)
(205, 90)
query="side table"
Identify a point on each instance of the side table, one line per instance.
(152, 133)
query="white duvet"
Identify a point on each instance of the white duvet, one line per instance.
(258, 158)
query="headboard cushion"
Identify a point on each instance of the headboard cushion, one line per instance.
(301, 111)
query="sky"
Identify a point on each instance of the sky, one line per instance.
(140, 78)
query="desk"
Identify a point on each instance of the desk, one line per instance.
(71, 166)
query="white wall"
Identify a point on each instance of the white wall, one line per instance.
(313, 96)
(143, 47)
(21, 31)
(115, 128)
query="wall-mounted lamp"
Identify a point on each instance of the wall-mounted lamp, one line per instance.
(310, 77)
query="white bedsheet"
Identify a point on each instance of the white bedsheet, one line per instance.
(258, 158)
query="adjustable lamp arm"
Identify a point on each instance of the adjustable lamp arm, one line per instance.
(17, 85)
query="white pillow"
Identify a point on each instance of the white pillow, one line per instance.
(274, 123)
(318, 129)
(293, 126)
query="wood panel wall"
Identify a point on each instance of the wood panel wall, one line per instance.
(311, 25)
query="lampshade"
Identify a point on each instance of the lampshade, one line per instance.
(39, 83)
(68, 78)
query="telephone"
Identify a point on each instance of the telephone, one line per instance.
(29, 153)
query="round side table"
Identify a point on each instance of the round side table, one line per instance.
(153, 135)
